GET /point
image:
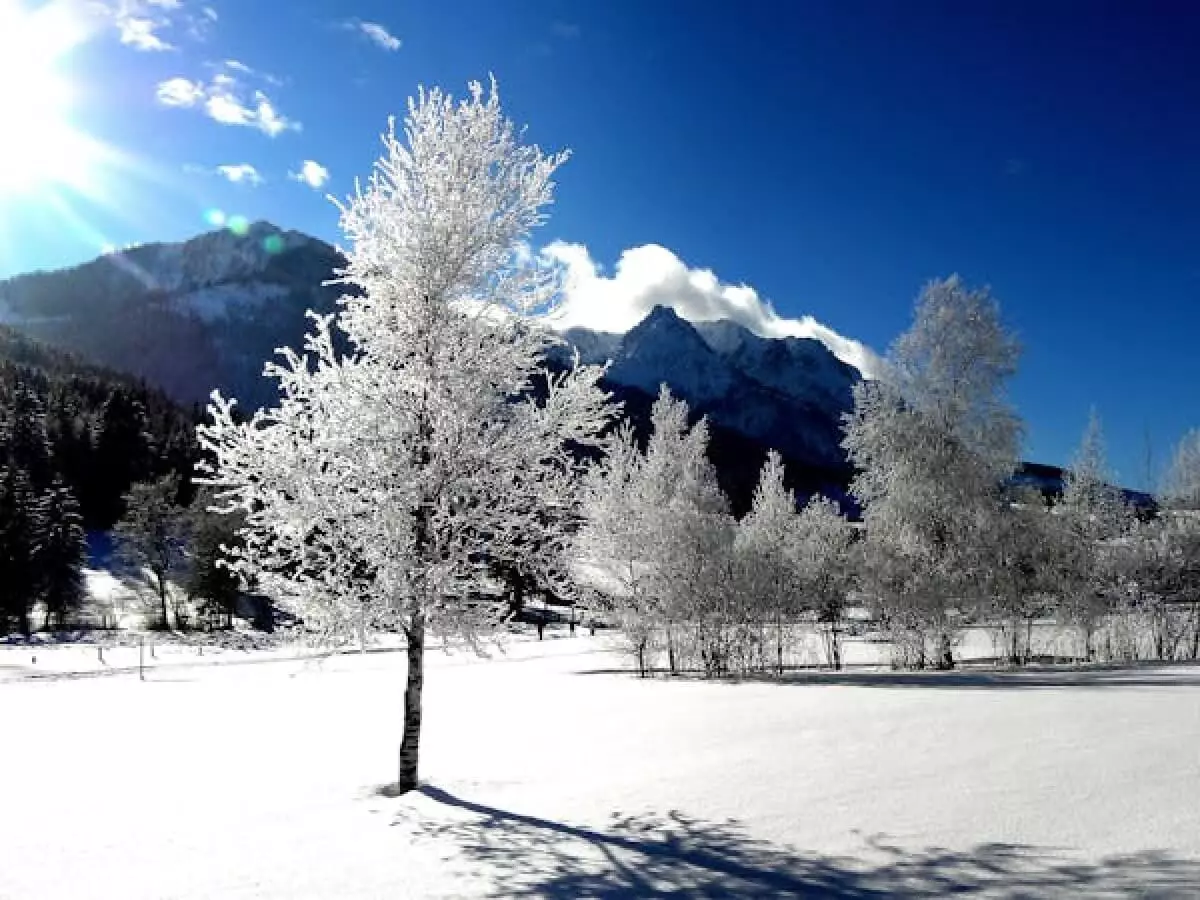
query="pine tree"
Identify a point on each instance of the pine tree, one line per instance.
(18, 573)
(124, 454)
(59, 552)
(209, 576)
(24, 437)
(422, 457)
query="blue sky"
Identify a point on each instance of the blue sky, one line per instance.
(833, 156)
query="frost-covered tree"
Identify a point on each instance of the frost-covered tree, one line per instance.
(1027, 553)
(19, 524)
(658, 531)
(824, 538)
(766, 545)
(611, 544)
(1181, 483)
(687, 531)
(59, 551)
(390, 479)
(152, 534)
(1095, 517)
(933, 439)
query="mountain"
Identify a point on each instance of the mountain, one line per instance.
(185, 317)
(786, 393)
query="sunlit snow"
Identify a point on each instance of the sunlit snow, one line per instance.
(550, 771)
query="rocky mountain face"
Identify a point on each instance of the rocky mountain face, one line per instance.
(786, 393)
(186, 317)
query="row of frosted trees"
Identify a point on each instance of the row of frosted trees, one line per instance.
(949, 540)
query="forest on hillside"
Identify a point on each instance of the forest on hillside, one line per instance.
(78, 443)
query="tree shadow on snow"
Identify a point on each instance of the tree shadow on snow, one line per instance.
(677, 856)
(1149, 675)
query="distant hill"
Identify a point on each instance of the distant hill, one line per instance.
(185, 317)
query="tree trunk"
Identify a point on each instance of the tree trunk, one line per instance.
(161, 577)
(835, 639)
(410, 743)
(779, 646)
(945, 652)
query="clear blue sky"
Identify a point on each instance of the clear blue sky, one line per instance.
(833, 155)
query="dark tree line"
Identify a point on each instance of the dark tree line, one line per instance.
(80, 448)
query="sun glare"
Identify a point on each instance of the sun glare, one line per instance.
(39, 145)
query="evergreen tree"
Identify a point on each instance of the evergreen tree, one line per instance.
(24, 437)
(209, 579)
(18, 573)
(124, 455)
(59, 552)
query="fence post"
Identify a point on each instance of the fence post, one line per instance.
(142, 657)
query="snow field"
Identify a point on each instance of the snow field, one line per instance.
(549, 775)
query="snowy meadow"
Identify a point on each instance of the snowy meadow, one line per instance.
(553, 771)
(818, 721)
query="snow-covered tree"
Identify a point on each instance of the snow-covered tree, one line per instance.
(687, 529)
(611, 544)
(59, 551)
(933, 440)
(1025, 558)
(1181, 483)
(767, 545)
(438, 445)
(19, 524)
(822, 550)
(1095, 517)
(153, 532)
(659, 531)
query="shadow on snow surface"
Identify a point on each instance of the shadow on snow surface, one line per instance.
(676, 856)
(1148, 675)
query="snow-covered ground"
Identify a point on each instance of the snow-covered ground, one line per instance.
(549, 774)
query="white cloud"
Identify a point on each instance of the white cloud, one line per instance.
(180, 92)
(311, 173)
(376, 33)
(140, 23)
(142, 34)
(651, 275)
(241, 173)
(224, 100)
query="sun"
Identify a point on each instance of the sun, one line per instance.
(39, 145)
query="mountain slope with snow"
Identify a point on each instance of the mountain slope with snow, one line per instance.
(786, 393)
(185, 317)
